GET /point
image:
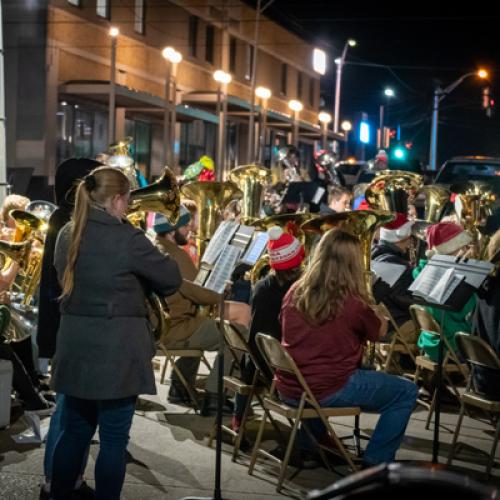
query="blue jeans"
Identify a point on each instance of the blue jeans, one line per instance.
(80, 418)
(55, 430)
(391, 396)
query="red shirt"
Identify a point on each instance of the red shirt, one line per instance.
(327, 354)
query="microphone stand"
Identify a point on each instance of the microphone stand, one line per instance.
(217, 494)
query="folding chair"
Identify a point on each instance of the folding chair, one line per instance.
(424, 321)
(398, 344)
(238, 346)
(478, 354)
(279, 359)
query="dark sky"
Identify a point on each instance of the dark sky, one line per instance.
(418, 44)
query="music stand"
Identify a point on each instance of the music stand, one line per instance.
(474, 274)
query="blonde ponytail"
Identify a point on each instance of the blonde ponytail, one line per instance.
(94, 190)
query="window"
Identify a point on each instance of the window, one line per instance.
(102, 8)
(209, 43)
(193, 35)
(74, 2)
(312, 83)
(299, 85)
(232, 54)
(249, 62)
(284, 79)
(139, 16)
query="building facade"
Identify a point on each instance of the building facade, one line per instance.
(58, 67)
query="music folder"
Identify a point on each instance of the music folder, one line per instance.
(448, 282)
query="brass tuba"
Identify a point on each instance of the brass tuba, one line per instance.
(251, 179)
(121, 158)
(436, 198)
(161, 196)
(211, 198)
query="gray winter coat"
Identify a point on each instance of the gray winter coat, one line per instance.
(104, 344)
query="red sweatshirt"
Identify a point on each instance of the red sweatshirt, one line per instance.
(327, 354)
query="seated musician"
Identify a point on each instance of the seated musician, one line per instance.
(392, 248)
(326, 319)
(486, 322)
(339, 200)
(446, 238)
(286, 255)
(188, 329)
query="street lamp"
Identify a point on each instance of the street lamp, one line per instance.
(324, 118)
(296, 107)
(173, 58)
(346, 126)
(340, 64)
(223, 79)
(389, 93)
(113, 33)
(263, 93)
(439, 95)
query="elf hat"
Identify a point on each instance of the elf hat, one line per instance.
(397, 230)
(446, 238)
(285, 251)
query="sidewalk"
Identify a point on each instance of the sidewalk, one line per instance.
(169, 457)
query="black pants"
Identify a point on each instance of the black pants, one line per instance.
(21, 381)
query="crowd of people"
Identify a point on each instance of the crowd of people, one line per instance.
(98, 271)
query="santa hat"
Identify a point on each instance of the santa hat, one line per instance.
(397, 230)
(446, 238)
(285, 251)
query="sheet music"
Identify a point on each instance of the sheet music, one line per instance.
(426, 281)
(223, 269)
(446, 286)
(256, 248)
(220, 239)
(242, 237)
(387, 271)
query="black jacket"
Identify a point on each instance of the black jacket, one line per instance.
(397, 299)
(68, 173)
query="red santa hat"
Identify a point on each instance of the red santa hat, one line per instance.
(397, 230)
(446, 238)
(285, 251)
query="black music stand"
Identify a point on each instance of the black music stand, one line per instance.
(474, 274)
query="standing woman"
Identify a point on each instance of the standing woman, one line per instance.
(104, 345)
(326, 319)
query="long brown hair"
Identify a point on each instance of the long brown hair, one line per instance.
(334, 272)
(95, 190)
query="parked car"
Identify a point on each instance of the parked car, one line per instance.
(461, 169)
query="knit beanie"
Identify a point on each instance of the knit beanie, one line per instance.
(445, 238)
(162, 225)
(285, 251)
(397, 230)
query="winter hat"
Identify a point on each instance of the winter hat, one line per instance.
(446, 238)
(162, 225)
(397, 230)
(285, 251)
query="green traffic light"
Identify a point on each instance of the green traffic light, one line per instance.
(399, 154)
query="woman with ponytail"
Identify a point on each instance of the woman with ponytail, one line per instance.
(104, 344)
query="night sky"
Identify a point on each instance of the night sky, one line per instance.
(410, 51)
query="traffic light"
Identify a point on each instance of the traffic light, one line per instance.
(399, 153)
(488, 102)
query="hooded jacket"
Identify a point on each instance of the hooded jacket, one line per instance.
(68, 173)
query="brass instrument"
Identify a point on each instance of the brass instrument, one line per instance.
(161, 196)
(121, 158)
(251, 179)
(436, 198)
(394, 190)
(16, 251)
(211, 198)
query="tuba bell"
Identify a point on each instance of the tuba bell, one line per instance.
(436, 198)
(210, 199)
(251, 179)
(161, 196)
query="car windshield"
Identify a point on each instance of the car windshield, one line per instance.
(470, 171)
